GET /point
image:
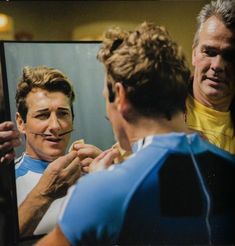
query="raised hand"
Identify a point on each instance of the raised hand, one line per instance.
(54, 183)
(86, 153)
(104, 160)
(9, 139)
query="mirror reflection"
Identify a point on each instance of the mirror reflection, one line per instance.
(45, 79)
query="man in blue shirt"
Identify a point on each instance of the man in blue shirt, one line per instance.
(44, 100)
(175, 188)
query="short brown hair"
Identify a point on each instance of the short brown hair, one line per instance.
(150, 66)
(43, 77)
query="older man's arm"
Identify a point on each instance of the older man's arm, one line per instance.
(54, 183)
(55, 237)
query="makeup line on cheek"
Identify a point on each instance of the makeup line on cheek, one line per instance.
(49, 135)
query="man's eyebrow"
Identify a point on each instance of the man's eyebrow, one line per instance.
(208, 47)
(227, 49)
(47, 110)
(42, 110)
(65, 109)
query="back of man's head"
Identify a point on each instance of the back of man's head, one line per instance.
(150, 66)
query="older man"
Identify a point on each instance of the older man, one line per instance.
(211, 105)
(162, 193)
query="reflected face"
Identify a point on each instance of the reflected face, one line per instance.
(49, 113)
(214, 62)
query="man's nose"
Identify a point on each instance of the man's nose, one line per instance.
(54, 123)
(218, 64)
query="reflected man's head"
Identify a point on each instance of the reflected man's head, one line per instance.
(214, 55)
(44, 99)
(148, 66)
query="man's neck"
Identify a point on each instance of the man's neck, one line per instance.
(146, 127)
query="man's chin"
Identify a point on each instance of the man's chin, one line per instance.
(214, 92)
(52, 156)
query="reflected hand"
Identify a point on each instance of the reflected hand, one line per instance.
(104, 160)
(54, 183)
(9, 139)
(59, 176)
(86, 153)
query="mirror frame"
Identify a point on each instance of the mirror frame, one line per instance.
(9, 230)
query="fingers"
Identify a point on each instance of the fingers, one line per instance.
(7, 146)
(8, 157)
(87, 150)
(85, 170)
(86, 154)
(8, 135)
(103, 154)
(59, 176)
(66, 167)
(109, 157)
(6, 126)
(63, 161)
(9, 139)
(73, 170)
(104, 160)
(85, 163)
(16, 142)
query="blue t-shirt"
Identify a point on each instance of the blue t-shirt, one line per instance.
(28, 172)
(174, 189)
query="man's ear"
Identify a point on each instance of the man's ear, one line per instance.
(121, 96)
(121, 101)
(20, 123)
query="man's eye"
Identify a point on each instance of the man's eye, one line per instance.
(210, 53)
(63, 114)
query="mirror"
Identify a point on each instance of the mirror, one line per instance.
(8, 206)
(77, 60)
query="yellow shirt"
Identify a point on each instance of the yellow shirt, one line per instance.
(216, 126)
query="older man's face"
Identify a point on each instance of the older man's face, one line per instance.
(214, 62)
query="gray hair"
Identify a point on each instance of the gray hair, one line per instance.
(223, 9)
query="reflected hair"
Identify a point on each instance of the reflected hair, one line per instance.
(43, 77)
(150, 66)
